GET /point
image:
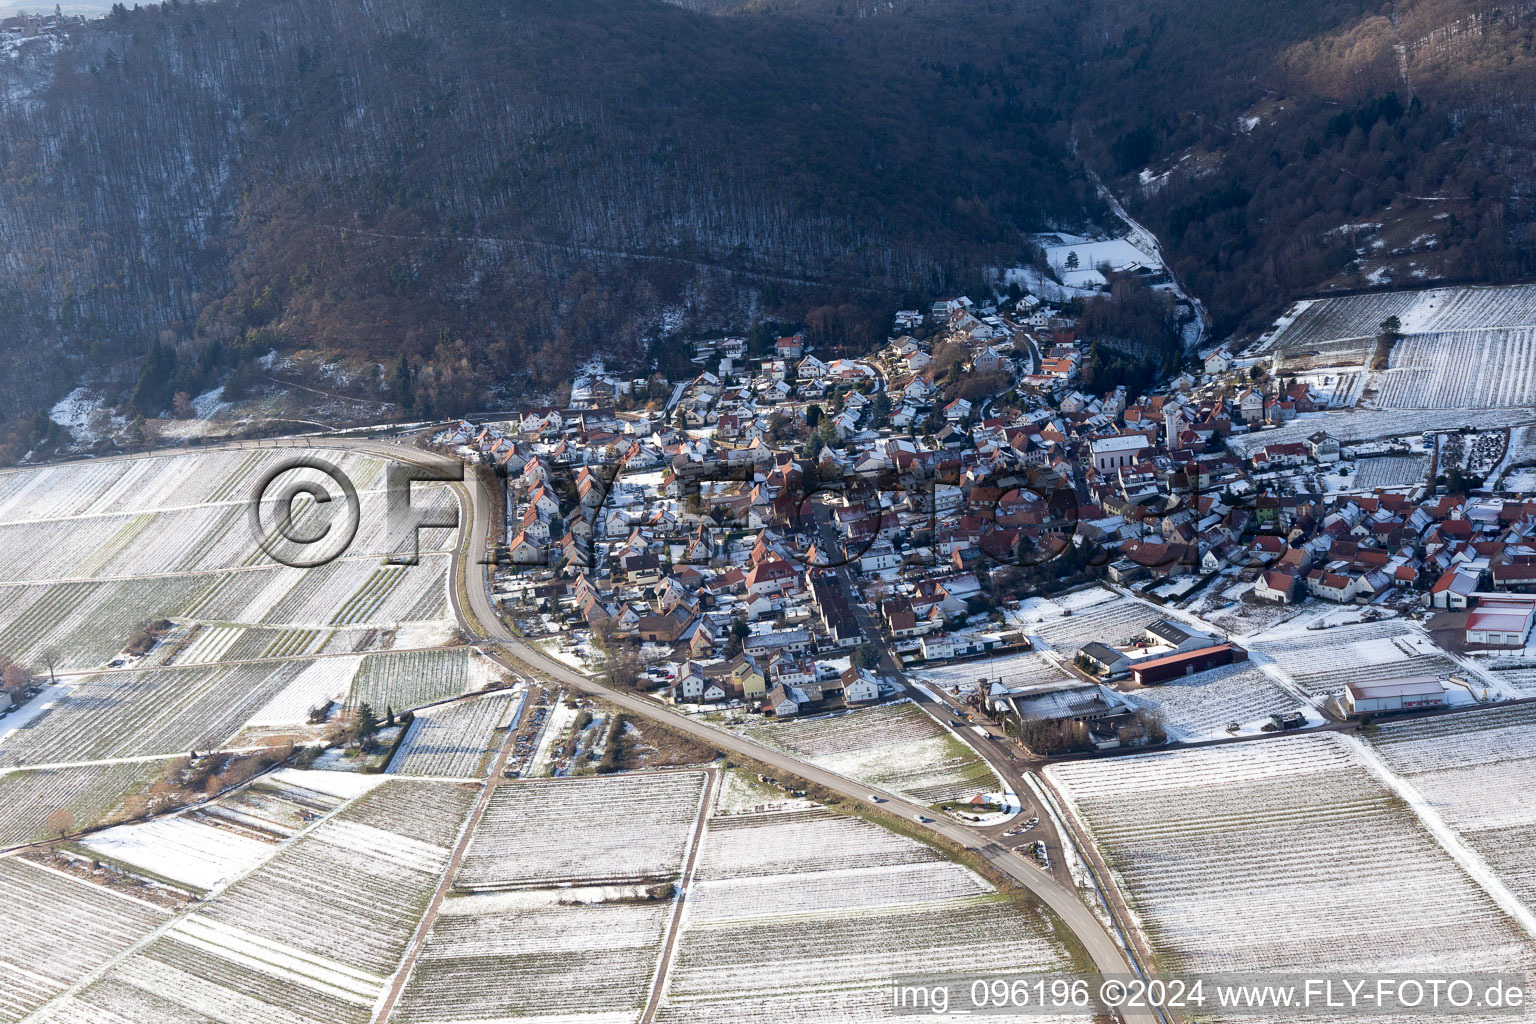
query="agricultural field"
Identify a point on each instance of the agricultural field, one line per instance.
(1322, 662)
(1201, 706)
(803, 915)
(88, 793)
(1393, 472)
(1478, 369)
(1314, 323)
(1112, 621)
(457, 740)
(1478, 772)
(1371, 424)
(409, 679)
(88, 553)
(313, 934)
(1273, 855)
(1013, 669)
(59, 928)
(897, 747)
(548, 953)
(137, 714)
(632, 829)
(183, 849)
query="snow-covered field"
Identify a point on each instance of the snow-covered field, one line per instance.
(632, 828)
(1110, 618)
(1029, 669)
(409, 679)
(29, 796)
(1285, 854)
(1322, 662)
(583, 954)
(57, 929)
(1369, 424)
(89, 551)
(313, 934)
(456, 740)
(1474, 369)
(135, 714)
(804, 915)
(897, 747)
(1201, 706)
(1436, 309)
(1390, 471)
(1477, 770)
(182, 849)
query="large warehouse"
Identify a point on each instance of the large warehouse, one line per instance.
(1186, 663)
(1411, 694)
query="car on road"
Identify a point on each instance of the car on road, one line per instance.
(877, 799)
(922, 818)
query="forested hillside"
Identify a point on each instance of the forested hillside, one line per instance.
(1301, 146)
(495, 189)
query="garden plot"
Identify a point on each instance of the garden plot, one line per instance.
(1286, 854)
(898, 747)
(409, 679)
(1201, 706)
(1013, 669)
(457, 740)
(135, 714)
(570, 953)
(631, 828)
(1477, 369)
(804, 915)
(1323, 662)
(1371, 424)
(58, 928)
(1112, 621)
(89, 794)
(182, 849)
(1478, 772)
(1392, 472)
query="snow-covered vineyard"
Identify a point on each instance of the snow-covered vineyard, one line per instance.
(1477, 772)
(897, 747)
(1313, 322)
(1272, 856)
(1322, 664)
(861, 900)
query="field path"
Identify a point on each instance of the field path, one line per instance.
(675, 927)
(387, 1004)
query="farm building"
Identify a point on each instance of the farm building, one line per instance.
(1185, 663)
(1103, 657)
(1180, 638)
(1504, 621)
(1394, 695)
